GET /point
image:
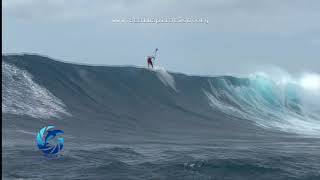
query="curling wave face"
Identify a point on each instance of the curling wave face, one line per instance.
(267, 103)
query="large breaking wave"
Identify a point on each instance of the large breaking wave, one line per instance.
(137, 100)
(270, 104)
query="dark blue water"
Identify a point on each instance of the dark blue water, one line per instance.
(223, 160)
(135, 123)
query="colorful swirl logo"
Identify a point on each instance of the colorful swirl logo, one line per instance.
(47, 141)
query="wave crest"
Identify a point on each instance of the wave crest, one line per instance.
(264, 102)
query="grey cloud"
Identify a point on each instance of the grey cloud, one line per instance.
(224, 15)
(240, 33)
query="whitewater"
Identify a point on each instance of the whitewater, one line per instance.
(140, 123)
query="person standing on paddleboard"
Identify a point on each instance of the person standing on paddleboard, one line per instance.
(150, 58)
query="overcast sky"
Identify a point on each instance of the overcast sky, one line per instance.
(241, 36)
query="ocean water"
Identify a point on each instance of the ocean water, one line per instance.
(223, 160)
(135, 123)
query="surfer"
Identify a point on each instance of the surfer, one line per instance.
(150, 58)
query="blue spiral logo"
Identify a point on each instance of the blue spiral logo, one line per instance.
(47, 141)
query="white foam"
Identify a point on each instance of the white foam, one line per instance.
(166, 78)
(26, 132)
(248, 103)
(22, 96)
